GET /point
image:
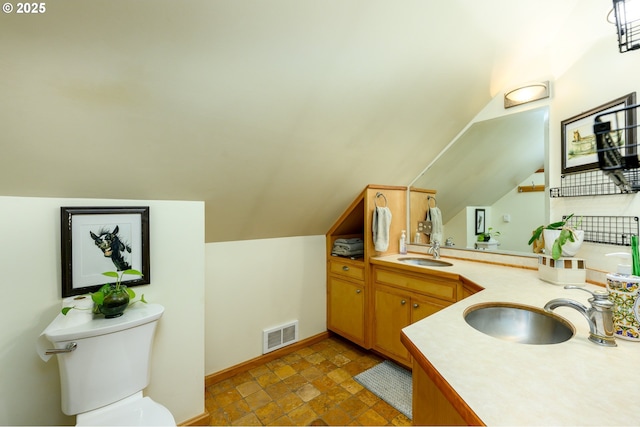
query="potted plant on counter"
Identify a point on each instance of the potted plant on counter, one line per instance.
(112, 299)
(558, 239)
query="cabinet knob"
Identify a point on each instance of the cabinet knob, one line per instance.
(415, 305)
(345, 268)
(403, 302)
(358, 291)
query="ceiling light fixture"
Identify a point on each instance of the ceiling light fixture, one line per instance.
(528, 93)
(626, 14)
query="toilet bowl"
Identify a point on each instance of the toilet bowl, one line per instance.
(134, 410)
(94, 387)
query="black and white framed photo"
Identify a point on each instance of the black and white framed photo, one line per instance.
(579, 151)
(95, 240)
(480, 221)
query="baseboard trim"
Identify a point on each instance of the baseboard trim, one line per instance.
(200, 420)
(260, 360)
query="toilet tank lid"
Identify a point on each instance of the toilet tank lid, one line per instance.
(136, 315)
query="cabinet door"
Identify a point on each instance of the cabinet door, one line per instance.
(391, 314)
(422, 307)
(345, 313)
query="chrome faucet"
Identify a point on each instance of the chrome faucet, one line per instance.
(599, 315)
(434, 249)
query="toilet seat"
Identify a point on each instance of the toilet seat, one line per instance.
(134, 410)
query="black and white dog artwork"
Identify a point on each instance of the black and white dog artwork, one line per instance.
(112, 247)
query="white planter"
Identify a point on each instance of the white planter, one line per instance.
(569, 248)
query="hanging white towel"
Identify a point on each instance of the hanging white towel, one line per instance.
(436, 224)
(381, 224)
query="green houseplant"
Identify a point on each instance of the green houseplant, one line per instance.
(566, 234)
(487, 235)
(112, 299)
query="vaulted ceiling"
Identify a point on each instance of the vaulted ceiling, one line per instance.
(275, 113)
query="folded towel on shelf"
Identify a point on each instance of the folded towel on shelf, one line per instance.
(348, 247)
(346, 252)
(381, 224)
(436, 224)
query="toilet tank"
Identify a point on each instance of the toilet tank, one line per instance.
(111, 360)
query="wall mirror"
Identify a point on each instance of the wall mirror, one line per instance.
(496, 166)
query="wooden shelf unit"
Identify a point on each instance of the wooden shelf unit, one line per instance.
(349, 295)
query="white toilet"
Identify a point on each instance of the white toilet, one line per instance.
(104, 366)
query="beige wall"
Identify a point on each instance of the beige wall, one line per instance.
(258, 284)
(30, 284)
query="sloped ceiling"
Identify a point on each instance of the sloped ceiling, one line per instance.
(275, 113)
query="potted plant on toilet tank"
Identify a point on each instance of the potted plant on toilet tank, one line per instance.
(557, 239)
(488, 235)
(112, 299)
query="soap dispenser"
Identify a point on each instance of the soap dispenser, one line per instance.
(623, 290)
(403, 242)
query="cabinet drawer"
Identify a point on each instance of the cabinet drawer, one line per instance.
(429, 285)
(346, 269)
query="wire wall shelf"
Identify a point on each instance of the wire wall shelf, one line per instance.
(617, 149)
(592, 183)
(627, 28)
(612, 230)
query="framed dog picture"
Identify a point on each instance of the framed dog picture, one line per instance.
(95, 240)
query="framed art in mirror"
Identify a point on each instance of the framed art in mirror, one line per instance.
(99, 239)
(480, 221)
(578, 141)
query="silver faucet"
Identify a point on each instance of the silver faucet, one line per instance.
(599, 315)
(434, 249)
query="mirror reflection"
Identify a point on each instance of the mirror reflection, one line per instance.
(490, 180)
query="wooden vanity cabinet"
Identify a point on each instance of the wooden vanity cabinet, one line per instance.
(347, 300)
(348, 280)
(394, 309)
(401, 299)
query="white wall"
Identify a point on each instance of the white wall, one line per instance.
(458, 229)
(527, 212)
(31, 286)
(602, 75)
(258, 284)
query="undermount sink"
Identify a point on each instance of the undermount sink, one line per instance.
(425, 262)
(519, 323)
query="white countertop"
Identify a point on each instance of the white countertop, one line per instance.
(505, 383)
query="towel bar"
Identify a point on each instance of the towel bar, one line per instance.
(385, 200)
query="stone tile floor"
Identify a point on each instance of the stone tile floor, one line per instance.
(310, 386)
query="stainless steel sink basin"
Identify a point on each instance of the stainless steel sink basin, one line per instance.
(426, 262)
(519, 323)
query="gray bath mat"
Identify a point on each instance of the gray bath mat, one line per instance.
(390, 383)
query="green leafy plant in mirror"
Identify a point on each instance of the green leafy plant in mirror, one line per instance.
(567, 233)
(111, 290)
(487, 235)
